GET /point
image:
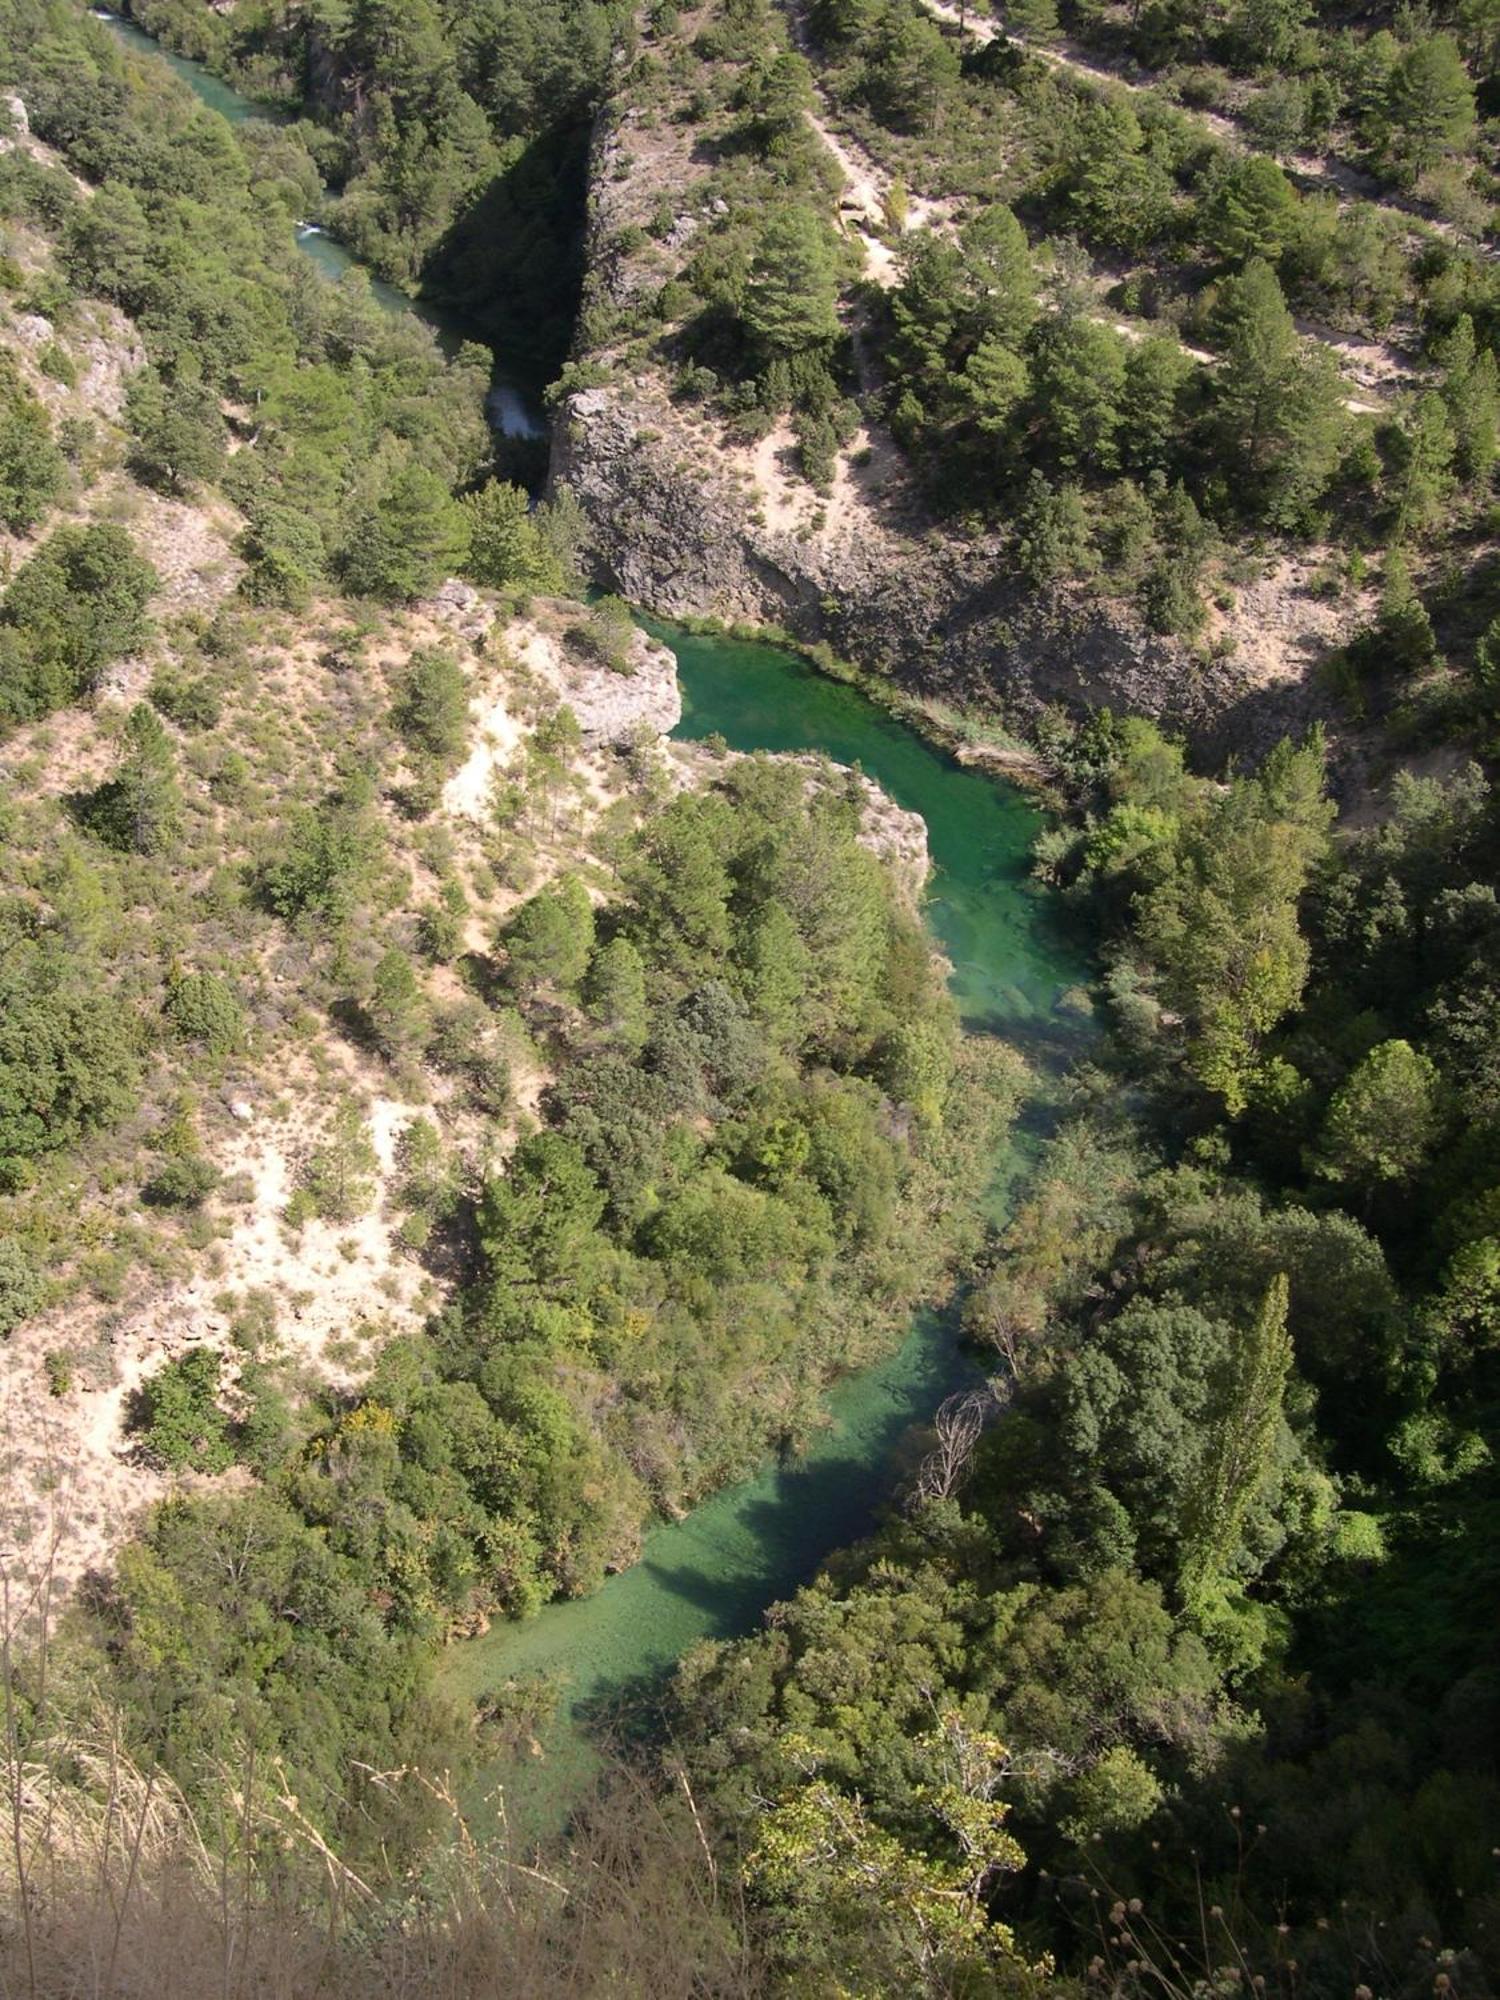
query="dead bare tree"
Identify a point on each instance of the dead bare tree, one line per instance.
(960, 1422)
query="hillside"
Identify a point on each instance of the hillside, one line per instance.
(474, 1073)
(1144, 457)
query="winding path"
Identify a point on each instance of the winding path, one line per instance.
(862, 212)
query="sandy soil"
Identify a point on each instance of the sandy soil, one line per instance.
(1280, 628)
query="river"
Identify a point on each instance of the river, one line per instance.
(513, 408)
(713, 1574)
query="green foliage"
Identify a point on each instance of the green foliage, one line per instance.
(177, 432)
(608, 634)
(23, 1287)
(139, 810)
(337, 1179)
(614, 993)
(396, 1007)
(176, 1415)
(431, 711)
(791, 290)
(68, 1050)
(1383, 1120)
(326, 858)
(405, 536)
(203, 1008)
(74, 607)
(1221, 923)
(549, 940)
(32, 469)
(507, 546)
(185, 1181)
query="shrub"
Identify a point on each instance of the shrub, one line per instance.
(181, 1183)
(22, 1286)
(431, 711)
(178, 1418)
(202, 1009)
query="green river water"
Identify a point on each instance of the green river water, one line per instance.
(511, 408)
(713, 1574)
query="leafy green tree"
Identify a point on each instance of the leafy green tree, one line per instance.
(775, 972)
(327, 856)
(1426, 477)
(202, 1008)
(140, 808)
(1116, 194)
(1383, 1120)
(1153, 404)
(1266, 32)
(184, 1181)
(1278, 411)
(852, 1901)
(177, 431)
(287, 553)
(549, 940)
(23, 1288)
(1429, 107)
(1223, 925)
(1402, 640)
(538, 1222)
(614, 992)
(1250, 212)
(431, 710)
(1241, 1442)
(177, 1415)
(406, 538)
(1080, 379)
(337, 1179)
(1471, 394)
(397, 1007)
(507, 547)
(778, 100)
(916, 1066)
(792, 289)
(999, 275)
(77, 605)
(1055, 536)
(911, 70)
(32, 469)
(68, 1058)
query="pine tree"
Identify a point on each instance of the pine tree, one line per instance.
(792, 292)
(140, 809)
(1241, 1442)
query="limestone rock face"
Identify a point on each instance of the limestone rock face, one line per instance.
(940, 614)
(613, 708)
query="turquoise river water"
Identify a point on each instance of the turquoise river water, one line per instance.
(714, 1573)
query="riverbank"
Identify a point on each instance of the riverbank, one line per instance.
(565, 1683)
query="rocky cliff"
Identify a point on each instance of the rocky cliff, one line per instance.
(689, 521)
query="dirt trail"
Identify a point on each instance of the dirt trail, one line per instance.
(1373, 367)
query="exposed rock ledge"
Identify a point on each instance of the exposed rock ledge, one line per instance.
(677, 526)
(611, 707)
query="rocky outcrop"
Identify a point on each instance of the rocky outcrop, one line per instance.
(614, 707)
(687, 521)
(675, 529)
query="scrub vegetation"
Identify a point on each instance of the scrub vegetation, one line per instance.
(437, 1144)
